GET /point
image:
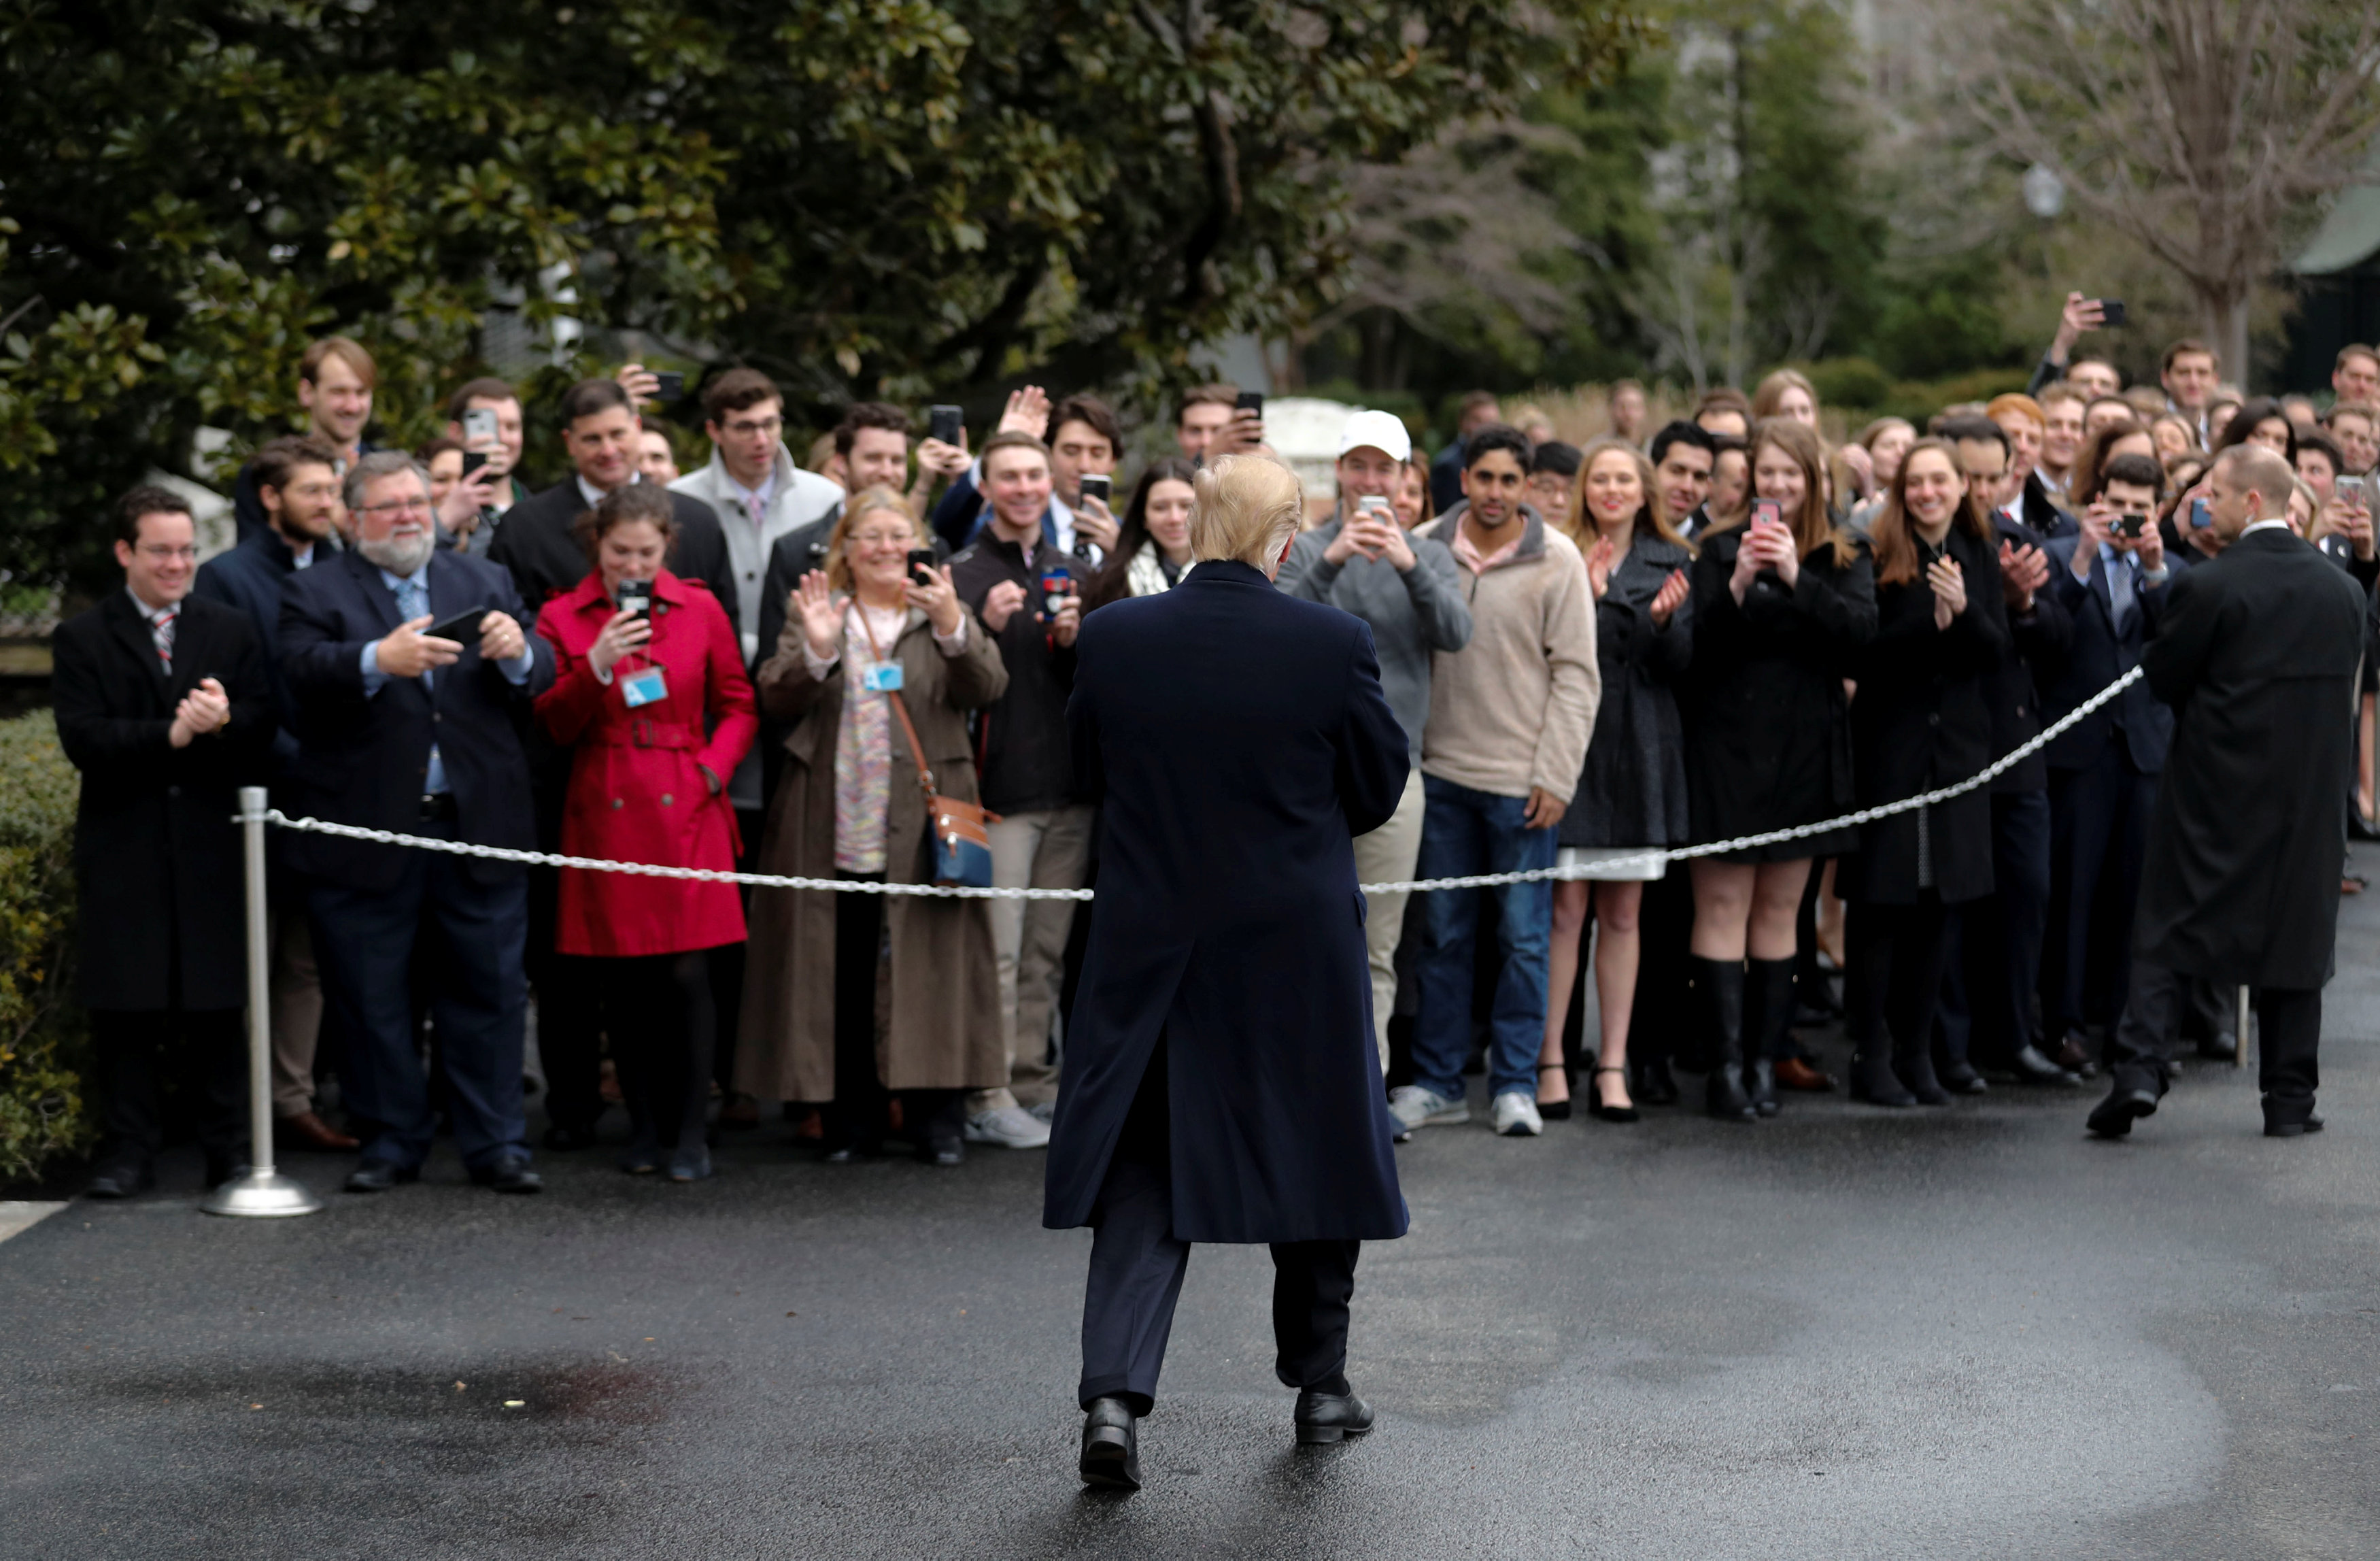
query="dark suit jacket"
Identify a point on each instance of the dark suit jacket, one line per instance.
(157, 856)
(364, 760)
(250, 578)
(2256, 652)
(2096, 656)
(2038, 641)
(535, 544)
(1238, 739)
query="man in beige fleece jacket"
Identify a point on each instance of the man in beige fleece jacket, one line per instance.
(1510, 715)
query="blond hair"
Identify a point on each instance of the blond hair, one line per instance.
(1248, 508)
(878, 500)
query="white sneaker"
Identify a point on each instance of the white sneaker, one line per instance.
(1043, 1112)
(1517, 1115)
(1011, 1127)
(1415, 1107)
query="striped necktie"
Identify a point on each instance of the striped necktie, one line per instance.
(161, 631)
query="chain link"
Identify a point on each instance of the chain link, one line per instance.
(1599, 867)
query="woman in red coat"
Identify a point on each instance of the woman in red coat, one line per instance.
(633, 692)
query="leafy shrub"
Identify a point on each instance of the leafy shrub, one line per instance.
(1848, 383)
(42, 1063)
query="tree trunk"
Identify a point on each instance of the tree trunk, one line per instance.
(2227, 332)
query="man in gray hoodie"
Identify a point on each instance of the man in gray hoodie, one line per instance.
(1408, 590)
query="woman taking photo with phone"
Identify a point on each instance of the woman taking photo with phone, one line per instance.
(645, 665)
(1152, 550)
(1782, 600)
(849, 994)
(1631, 800)
(1922, 720)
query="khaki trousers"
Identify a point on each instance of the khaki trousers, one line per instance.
(1046, 849)
(1388, 854)
(297, 989)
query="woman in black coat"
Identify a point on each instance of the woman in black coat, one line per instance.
(1922, 720)
(1783, 600)
(1631, 800)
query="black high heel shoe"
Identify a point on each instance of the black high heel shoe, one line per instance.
(1553, 1111)
(1595, 1106)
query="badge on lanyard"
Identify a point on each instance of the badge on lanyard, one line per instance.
(882, 677)
(649, 687)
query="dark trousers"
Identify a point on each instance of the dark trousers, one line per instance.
(1994, 977)
(569, 1012)
(1138, 1266)
(1892, 972)
(471, 934)
(857, 1117)
(2098, 831)
(727, 961)
(664, 1026)
(2289, 1035)
(207, 1055)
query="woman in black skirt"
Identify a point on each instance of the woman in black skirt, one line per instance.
(1630, 800)
(1783, 600)
(1922, 721)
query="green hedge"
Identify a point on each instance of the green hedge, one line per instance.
(43, 1114)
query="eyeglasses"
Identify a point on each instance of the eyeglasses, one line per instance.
(882, 539)
(163, 553)
(397, 506)
(769, 425)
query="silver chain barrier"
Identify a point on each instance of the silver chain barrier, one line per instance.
(1601, 867)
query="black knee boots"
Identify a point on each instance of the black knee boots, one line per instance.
(1721, 982)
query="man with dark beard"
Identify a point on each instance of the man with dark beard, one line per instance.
(405, 729)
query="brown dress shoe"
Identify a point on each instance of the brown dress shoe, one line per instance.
(308, 1130)
(1792, 1073)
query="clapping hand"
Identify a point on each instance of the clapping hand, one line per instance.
(204, 708)
(1599, 567)
(821, 614)
(1949, 583)
(2024, 571)
(1669, 598)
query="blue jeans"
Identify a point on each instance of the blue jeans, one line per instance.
(1463, 832)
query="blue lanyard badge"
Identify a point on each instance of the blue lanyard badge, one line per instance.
(881, 677)
(649, 687)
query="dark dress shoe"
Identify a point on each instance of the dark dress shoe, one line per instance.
(2030, 1067)
(1331, 1416)
(120, 1180)
(2296, 1128)
(224, 1170)
(690, 1164)
(1875, 1083)
(307, 1130)
(1792, 1073)
(944, 1152)
(1653, 1083)
(559, 1137)
(1960, 1078)
(1111, 1458)
(379, 1175)
(1595, 1106)
(2075, 1059)
(2113, 1118)
(641, 1159)
(509, 1172)
(2218, 1048)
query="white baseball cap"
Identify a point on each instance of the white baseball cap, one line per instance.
(1382, 430)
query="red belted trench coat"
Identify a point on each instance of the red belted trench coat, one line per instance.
(638, 792)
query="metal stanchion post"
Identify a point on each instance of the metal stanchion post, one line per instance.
(2239, 1032)
(262, 1193)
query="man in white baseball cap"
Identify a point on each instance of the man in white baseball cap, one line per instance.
(1408, 590)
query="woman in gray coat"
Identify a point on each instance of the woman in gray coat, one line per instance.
(1632, 791)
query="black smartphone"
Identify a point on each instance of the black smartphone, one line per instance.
(1098, 486)
(1251, 401)
(946, 423)
(921, 561)
(636, 598)
(672, 386)
(2130, 525)
(463, 627)
(2111, 313)
(472, 461)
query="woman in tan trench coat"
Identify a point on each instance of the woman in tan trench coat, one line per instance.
(847, 995)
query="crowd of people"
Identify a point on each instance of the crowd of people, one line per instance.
(858, 667)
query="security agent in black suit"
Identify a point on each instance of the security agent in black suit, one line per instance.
(405, 731)
(2103, 771)
(2257, 653)
(162, 704)
(600, 429)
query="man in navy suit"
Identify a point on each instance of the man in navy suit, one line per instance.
(1220, 1080)
(403, 730)
(2103, 773)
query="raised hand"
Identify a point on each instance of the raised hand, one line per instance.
(821, 614)
(1027, 411)
(1599, 567)
(939, 599)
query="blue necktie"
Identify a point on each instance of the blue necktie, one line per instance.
(413, 602)
(2120, 597)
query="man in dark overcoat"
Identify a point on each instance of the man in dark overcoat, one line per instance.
(2258, 655)
(1221, 1082)
(162, 703)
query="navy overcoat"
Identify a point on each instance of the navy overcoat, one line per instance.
(1237, 740)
